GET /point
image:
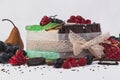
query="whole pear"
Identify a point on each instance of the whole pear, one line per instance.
(14, 37)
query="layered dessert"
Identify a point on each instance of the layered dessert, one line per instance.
(61, 44)
(50, 38)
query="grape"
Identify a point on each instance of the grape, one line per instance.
(2, 46)
(55, 20)
(58, 21)
(9, 44)
(58, 63)
(15, 48)
(89, 59)
(10, 54)
(11, 48)
(4, 57)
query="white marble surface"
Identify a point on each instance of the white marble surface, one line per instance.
(44, 72)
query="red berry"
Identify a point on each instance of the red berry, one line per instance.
(70, 21)
(79, 17)
(118, 45)
(109, 50)
(77, 21)
(114, 49)
(66, 65)
(113, 41)
(18, 58)
(74, 63)
(69, 59)
(43, 23)
(45, 20)
(72, 17)
(45, 17)
(83, 21)
(82, 61)
(88, 21)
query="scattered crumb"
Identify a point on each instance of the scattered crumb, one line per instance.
(19, 67)
(73, 70)
(2, 69)
(22, 72)
(103, 77)
(29, 70)
(105, 68)
(43, 67)
(37, 67)
(42, 74)
(60, 71)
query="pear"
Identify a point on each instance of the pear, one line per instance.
(14, 37)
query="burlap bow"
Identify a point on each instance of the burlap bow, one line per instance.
(93, 46)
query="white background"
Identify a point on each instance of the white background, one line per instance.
(28, 12)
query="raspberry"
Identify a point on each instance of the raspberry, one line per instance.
(112, 50)
(113, 41)
(88, 21)
(77, 21)
(43, 23)
(82, 61)
(72, 17)
(69, 59)
(79, 17)
(18, 58)
(72, 61)
(66, 65)
(45, 20)
(118, 45)
(83, 21)
(70, 21)
(74, 64)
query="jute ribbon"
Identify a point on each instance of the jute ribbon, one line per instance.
(93, 46)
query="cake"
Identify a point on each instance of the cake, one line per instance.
(61, 44)
(51, 40)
